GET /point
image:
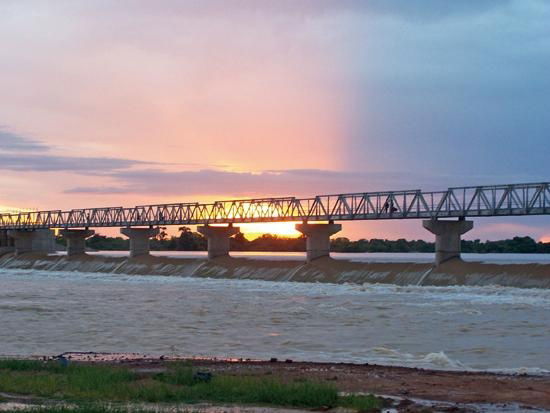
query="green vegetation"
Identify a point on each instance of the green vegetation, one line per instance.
(193, 241)
(179, 383)
(100, 242)
(514, 245)
(78, 409)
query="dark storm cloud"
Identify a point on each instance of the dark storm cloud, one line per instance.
(462, 96)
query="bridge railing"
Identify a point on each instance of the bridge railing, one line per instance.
(475, 201)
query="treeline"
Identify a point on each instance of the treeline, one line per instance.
(193, 241)
(514, 245)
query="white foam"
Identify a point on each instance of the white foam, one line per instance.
(389, 356)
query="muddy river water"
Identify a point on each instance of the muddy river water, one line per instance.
(487, 328)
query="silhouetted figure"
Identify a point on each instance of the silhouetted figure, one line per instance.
(386, 206)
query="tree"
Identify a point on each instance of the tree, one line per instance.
(239, 242)
(190, 241)
(162, 235)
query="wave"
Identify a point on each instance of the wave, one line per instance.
(327, 270)
(438, 361)
(391, 357)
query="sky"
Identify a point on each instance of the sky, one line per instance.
(118, 103)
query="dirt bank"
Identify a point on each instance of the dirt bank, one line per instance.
(406, 383)
(456, 387)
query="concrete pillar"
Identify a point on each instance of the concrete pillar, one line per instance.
(76, 240)
(318, 238)
(6, 242)
(44, 241)
(39, 240)
(22, 240)
(447, 237)
(139, 239)
(218, 239)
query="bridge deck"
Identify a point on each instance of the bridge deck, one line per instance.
(476, 201)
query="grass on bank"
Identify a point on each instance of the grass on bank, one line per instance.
(179, 383)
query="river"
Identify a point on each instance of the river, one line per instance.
(481, 328)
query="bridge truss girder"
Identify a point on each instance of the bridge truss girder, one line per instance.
(475, 201)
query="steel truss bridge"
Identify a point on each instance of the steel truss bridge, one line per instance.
(461, 202)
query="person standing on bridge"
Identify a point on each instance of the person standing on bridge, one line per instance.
(392, 207)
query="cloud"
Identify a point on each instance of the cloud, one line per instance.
(19, 153)
(295, 182)
(13, 142)
(97, 190)
(423, 9)
(406, 8)
(289, 182)
(455, 91)
(469, 94)
(53, 163)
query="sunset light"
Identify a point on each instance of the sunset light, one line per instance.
(301, 204)
(4, 209)
(283, 229)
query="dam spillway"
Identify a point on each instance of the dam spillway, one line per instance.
(324, 270)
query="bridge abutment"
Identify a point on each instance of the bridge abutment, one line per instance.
(76, 240)
(139, 239)
(218, 239)
(447, 237)
(38, 240)
(318, 238)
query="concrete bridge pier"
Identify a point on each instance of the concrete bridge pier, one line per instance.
(218, 239)
(76, 240)
(6, 243)
(318, 238)
(5, 239)
(22, 240)
(139, 239)
(38, 240)
(447, 237)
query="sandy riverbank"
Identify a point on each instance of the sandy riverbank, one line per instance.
(455, 272)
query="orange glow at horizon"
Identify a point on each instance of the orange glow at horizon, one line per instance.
(283, 229)
(4, 209)
(545, 238)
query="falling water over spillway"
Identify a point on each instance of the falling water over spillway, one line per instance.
(270, 268)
